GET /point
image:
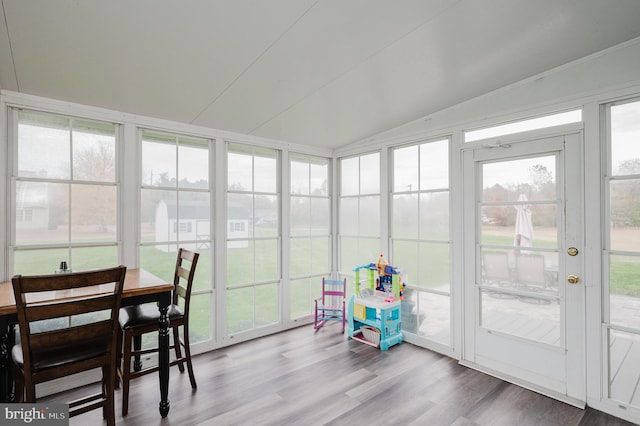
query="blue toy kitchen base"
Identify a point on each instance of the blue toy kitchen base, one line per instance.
(374, 312)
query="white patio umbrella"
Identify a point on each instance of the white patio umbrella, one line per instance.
(524, 225)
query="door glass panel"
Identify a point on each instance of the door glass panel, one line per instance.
(527, 317)
(518, 274)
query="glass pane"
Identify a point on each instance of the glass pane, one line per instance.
(300, 256)
(370, 174)
(527, 179)
(349, 216)
(158, 163)
(434, 216)
(94, 156)
(193, 222)
(266, 260)
(625, 139)
(319, 184)
(435, 262)
(239, 211)
(405, 169)
(39, 262)
(521, 225)
(624, 357)
(498, 268)
(158, 215)
(320, 255)
(349, 256)
(88, 258)
(199, 314)
(524, 125)
(349, 176)
(265, 174)
(202, 277)
(301, 297)
(300, 215)
(299, 178)
(93, 213)
(369, 216)
(409, 311)
(266, 304)
(434, 165)
(160, 260)
(535, 273)
(526, 317)
(52, 143)
(240, 262)
(320, 216)
(42, 213)
(625, 215)
(266, 216)
(624, 290)
(405, 258)
(239, 172)
(405, 220)
(239, 305)
(433, 317)
(368, 251)
(193, 164)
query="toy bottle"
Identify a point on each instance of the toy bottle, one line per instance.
(382, 263)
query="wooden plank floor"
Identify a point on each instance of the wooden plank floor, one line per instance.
(299, 377)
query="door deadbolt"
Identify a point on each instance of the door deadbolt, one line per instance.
(573, 279)
(572, 251)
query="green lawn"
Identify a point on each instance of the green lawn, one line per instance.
(254, 306)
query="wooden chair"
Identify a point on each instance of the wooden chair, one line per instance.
(141, 319)
(86, 342)
(331, 305)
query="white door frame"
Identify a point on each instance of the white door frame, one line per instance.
(572, 232)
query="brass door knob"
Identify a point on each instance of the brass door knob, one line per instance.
(573, 279)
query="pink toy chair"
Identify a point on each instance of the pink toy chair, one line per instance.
(331, 306)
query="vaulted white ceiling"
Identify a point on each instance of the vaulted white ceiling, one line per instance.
(316, 72)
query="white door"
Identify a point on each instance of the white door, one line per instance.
(524, 297)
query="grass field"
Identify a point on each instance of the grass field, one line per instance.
(426, 264)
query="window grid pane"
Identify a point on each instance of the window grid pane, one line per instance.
(253, 238)
(175, 212)
(359, 211)
(310, 218)
(66, 196)
(420, 240)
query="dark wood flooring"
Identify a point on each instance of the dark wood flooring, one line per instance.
(299, 377)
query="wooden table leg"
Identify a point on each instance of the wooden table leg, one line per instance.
(163, 355)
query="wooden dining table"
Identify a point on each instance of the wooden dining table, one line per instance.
(140, 286)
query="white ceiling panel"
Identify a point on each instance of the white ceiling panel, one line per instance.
(444, 62)
(160, 58)
(330, 40)
(317, 72)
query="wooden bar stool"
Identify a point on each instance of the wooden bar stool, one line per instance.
(141, 319)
